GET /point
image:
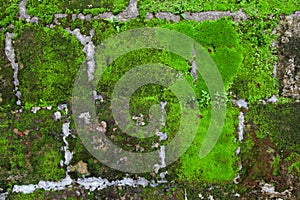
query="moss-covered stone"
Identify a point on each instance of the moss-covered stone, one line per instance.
(46, 9)
(30, 148)
(7, 96)
(255, 80)
(270, 152)
(49, 60)
(8, 12)
(220, 165)
(279, 122)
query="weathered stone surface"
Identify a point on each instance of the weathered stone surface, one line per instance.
(130, 12)
(289, 56)
(168, 16)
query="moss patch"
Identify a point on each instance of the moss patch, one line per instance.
(279, 122)
(9, 12)
(220, 165)
(30, 148)
(270, 148)
(48, 64)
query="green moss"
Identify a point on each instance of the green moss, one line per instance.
(294, 167)
(219, 37)
(276, 165)
(181, 6)
(44, 9)
(221, 40)
(47, 164)
(48, 64)
(103, 29)
(279, 122)
(9, 12)
(222, 43)
(30, 148)
(220, 164)
(254, 80)
(37, 194)
(7, 97)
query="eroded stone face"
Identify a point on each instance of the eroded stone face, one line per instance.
(289, 56)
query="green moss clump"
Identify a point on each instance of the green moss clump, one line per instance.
(8, 12)
(221, 41)
(30, 148)
(181, 6)
(254, 80)
(44, 9)
(49, 60)
(276, 165)
(279, 122)
(37, 194)
(294, 159)
(220, 164)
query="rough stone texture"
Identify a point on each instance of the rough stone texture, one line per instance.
(106, 15)
(168, 16)
(130, 12)
(149, 15)
(289, 56)
(214, 15)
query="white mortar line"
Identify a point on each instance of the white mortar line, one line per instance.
(23, 13)
(89, 49)
(241, 103)
(10, 53)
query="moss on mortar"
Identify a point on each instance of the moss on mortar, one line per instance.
(46, 9)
